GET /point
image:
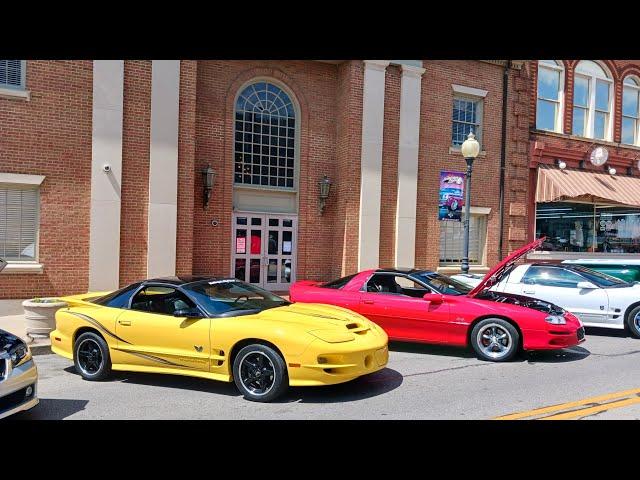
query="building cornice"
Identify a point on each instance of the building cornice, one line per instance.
(515, 64)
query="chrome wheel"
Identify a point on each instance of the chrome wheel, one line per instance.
(636, 322)
(494, 340)
(89, 357)
(257, 373)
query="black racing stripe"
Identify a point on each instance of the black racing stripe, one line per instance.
(154, 358)
(98, 325)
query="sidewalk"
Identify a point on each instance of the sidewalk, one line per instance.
(12, 320)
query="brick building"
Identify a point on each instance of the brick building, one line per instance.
(101, 168)
(584, 193)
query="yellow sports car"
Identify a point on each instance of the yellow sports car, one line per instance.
(222, 329)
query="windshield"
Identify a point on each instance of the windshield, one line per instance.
(218, 297)
(599, 278)
(442, 283)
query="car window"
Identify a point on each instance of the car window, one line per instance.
(162, 300)
(443, 284)
(232, 297)
(602, 279)
(119, 298)
(551, 277)
(395, 284)
(339, 283)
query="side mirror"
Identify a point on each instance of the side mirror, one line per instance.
(434, 298)
(586, 285)
(187, 313)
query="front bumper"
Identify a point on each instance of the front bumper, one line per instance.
(14, 386)
(327, 364)
(553, 339)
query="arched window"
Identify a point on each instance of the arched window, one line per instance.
(592, 101)
(550, 95)
(265, 132)
(630, 111)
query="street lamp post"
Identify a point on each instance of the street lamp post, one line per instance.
(470, 149)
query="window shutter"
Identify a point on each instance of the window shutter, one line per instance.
(11, 73)
(18, 222)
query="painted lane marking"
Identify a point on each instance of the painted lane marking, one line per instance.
(562, 408)
(585, 412)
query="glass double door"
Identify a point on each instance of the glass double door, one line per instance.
(263, 250)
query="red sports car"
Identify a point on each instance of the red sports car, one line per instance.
(425, 306)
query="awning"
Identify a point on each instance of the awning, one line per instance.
(557, 185)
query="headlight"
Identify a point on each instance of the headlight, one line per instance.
(556, 320)
(20, 354)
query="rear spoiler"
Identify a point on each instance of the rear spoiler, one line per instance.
(82, 299)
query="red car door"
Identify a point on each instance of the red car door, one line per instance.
(403, 313)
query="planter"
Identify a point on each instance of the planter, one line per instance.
(39, 315)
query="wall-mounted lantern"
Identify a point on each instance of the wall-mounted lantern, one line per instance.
(325, 188)
(208, 176)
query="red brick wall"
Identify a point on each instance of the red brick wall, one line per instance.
(389, 184)
(136, 128)
(435, 140)
(51, 135)
(346, 191)
(187, 173)
(314, 86)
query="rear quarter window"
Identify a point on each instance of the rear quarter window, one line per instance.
(339, 283)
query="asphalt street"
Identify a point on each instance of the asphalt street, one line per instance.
(420, 382)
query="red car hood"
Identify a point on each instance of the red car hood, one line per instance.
(494, 275)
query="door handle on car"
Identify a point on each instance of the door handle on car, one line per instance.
(124, 322)
(368, 302)
(528, 291)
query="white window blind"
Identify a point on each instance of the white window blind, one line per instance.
(452, 241)
(18, 222)
(12, 73)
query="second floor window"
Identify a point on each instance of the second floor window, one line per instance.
(550, 90)
(630, 111)
(592, 99)
(467, 117)
(265, 133)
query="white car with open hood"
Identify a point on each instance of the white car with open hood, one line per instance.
(598, 299)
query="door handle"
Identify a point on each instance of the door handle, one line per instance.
(528, 291)
(124, 322)
(368, 302)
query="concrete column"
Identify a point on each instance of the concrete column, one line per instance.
(106, 175)
(371, 163)
(163, 168)
(407, 198)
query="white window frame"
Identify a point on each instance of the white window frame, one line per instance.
(592, 80)
(17, 91)
(636, 119)
(482, 262)
(34, 181)
(558, 122)
(479, 101)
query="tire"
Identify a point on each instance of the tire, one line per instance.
(260, 373)
(91, 357)
(633, 322)
(495, 340)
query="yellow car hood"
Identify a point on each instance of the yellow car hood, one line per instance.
(316, 316)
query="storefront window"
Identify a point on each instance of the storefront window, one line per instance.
(585, 227)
